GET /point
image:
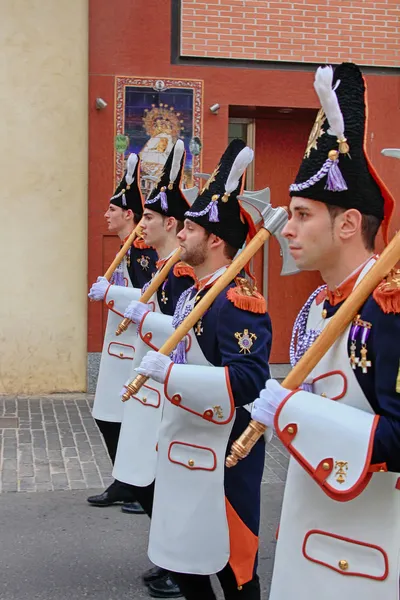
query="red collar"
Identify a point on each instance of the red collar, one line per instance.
(343, 291)
(203, 283)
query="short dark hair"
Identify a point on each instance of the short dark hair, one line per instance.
(369, 225)
(136, 218)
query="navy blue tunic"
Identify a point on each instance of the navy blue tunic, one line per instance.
(379, 383)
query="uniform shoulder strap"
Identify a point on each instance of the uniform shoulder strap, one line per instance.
(246, 297)
(387, 294)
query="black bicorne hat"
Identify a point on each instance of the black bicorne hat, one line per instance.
(127, 194)
(336, 169)
(167, 197)
(217, 208)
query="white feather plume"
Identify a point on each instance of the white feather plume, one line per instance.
(179, 149)
(239, 166)
(130, 168)
(329, 101)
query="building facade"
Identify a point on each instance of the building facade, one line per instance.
(256, 61)
(159, 66)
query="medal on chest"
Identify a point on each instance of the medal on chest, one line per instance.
(144, 262)
(245, 340)
(164, 297)
(359, 330)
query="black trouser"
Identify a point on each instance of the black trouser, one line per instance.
(198, 587)
(110, 432)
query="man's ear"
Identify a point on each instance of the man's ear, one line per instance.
(128, 214)
(349, 223)
(215, 241)
(170, 223)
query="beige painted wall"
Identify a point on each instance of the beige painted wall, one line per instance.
(43, 195)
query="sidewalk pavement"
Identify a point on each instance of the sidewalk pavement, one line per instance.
(52, 443)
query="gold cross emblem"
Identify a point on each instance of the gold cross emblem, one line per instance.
(164, 298)
(218, 412)
(341, 466)
(144, 262)
(245, 340)
(199, 327)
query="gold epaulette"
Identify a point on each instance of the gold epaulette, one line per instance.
(140, 243)
(246, 297)
(181, 269)
(387, 294)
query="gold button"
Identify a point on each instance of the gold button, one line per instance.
(290, 430)
(191, 462)
(323, 395)
(121, 353)
(324, 313)
(343, 564)
(240, 587)
(326, 466)
(144, 399)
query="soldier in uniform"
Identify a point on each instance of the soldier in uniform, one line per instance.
(162, 219)
(340, 525)
(138, 266)
(205, 520)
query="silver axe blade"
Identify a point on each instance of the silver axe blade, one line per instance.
(395, 152)
(258, 204)
(191, 194)
(255, 203)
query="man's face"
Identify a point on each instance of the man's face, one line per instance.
(312, 236)
(193, 241)
(116, 218)
(153, 229)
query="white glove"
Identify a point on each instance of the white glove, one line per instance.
(265, 407)
(98, 289)
(136, 310)
(155, 365)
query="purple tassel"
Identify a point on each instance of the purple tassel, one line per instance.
(123, 200)
(307, 387)
(178, 356)
(335, 181)
(118, 278)
(164, 202)
(213, 214)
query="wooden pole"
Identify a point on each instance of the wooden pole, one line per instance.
(336, 326)
(120, 256)
(156, 282)
(229, 275)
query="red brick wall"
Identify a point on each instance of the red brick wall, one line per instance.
(364, 31)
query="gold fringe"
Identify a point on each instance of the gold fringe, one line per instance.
(246, 297)
(140, 244)
(387, 294)
(181, 269)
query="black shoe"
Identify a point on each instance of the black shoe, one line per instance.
(164, 588)
(132, 508)
(153, 574)
(113, 494)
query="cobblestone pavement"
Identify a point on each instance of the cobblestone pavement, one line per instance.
(52, 443)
